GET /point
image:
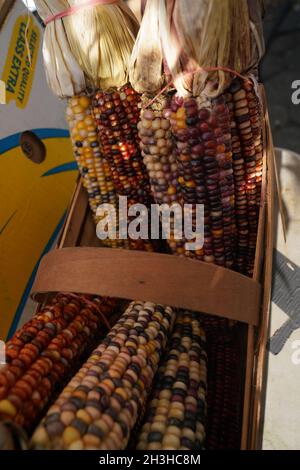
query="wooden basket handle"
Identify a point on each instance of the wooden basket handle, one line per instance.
(165, 279)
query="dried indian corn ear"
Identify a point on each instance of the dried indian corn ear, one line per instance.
(204, 158)
(117, 115)
(100, 406)
(41, 355)
(158, 152)
(247, 165)
(224, 397)
(94, 169)
(176, 414)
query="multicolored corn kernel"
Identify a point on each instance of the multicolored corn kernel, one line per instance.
(157, 148)
(204, 161)
(158, 151)
(117, 116)
(93, 167)
(248, 161)
(224, 384)
(176, 414)
(44, 351)
(101, 404)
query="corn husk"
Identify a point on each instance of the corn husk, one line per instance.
(101, 39)
(256, 12)
(92, 46)
(188, 36)
(146, 64)
(214, 33)
(63, 72)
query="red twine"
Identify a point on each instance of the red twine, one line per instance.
(200, 69)
(76, 8)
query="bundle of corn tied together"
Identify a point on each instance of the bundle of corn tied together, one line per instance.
(214, 121)
(67, 80)
(215, 141)
(93, 55)
(157, 144)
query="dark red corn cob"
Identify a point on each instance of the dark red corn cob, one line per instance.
(117, 115)
(224, 404)
(189, 155)
(205, 167)
(245, 111)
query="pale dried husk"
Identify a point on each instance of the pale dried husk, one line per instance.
(64, 74)
(214, 33)
(92, 46)
(256, 12)
(101, 39)
(191, 36)
(146, 64)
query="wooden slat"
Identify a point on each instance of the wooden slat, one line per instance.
(259, 383)
(88, 235)
(166, 279)
(257, 273)
(75, 218)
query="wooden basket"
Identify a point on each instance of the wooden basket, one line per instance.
(80, 265)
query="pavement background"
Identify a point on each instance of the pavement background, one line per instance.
(280, 67)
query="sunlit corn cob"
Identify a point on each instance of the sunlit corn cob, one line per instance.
(101, 404)
(222, 133)
(93, 167)
(41, 355)
(247, 156)
(239, 174)
(160, 160)
(256, 128)
(205, 171)
(176, 414)
(117, 115)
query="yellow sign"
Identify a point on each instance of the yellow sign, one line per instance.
(21, 61)
(36, 199)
